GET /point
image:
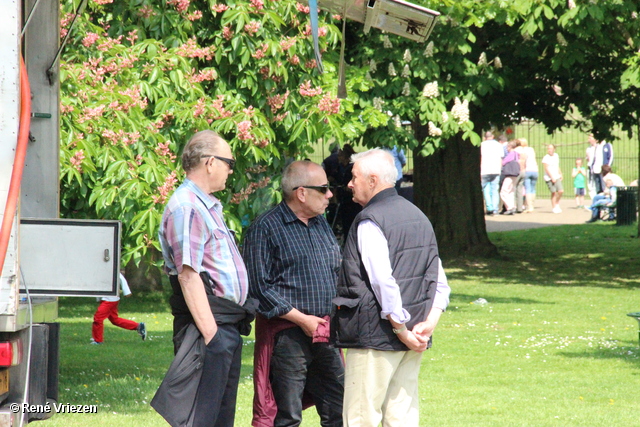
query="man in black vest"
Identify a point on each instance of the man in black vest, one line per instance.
(391, 292)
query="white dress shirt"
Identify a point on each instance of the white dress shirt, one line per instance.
(374, 249)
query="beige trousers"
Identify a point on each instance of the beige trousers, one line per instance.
(381, 386)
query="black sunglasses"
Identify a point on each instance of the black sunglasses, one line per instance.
(321, 188)
(230, 162)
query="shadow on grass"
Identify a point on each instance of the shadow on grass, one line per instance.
(573, 255)
(627, 351)
(458, 298)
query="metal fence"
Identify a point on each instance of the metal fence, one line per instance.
(570, 145)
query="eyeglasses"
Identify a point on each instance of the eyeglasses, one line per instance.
(230, 162)
(321, 188)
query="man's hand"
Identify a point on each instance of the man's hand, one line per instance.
(424, 329)
(413, 341)
(307, 322)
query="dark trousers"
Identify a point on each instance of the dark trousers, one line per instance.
(218, 390)
(297, 366)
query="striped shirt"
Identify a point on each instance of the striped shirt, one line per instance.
(193, 233)
(291, 264)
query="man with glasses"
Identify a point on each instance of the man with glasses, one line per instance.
(208, 276)
(293, 259)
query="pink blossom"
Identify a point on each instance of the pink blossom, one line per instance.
(63, 32)
(139, 159)
(191, 50)
(91, 113)
(195, 15)
(146, 12)
(252, 27)
(329, 104)
(276, 102)
(287, 43)
(227, 33)
(204, 75)
(218, 105)
(166, 188)
(310, 64)
(259, 54)
(280, 117)
(257, 4)
(133, 36)
(244, 128)
(218, 8)
(90, 39)
(294, 60)
(164, 150)
(76, 160)
(200, 108)
(109, 43)
(302, 8)
(64, 109)
(337, 17)
(322, 31)
(305, 89)
(103, 1)
(180, 5)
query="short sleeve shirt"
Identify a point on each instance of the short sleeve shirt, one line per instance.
(193, 233)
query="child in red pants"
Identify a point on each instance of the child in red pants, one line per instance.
(108, 309)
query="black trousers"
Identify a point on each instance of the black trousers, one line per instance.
(218, 390)
(298, 365)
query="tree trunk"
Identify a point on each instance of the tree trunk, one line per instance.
(146, 276)
(447, 189)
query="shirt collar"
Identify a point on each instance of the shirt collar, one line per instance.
(288, 216)
(209, 200)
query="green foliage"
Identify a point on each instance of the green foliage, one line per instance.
(139, 78)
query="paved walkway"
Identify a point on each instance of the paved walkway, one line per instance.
(541, 217)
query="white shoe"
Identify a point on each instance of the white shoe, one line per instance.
(557, 210)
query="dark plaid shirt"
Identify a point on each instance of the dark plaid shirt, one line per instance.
(291, 264)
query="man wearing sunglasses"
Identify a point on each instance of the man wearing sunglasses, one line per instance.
(208, 276)
(293, 258)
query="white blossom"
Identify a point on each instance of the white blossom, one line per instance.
(571, 4)
(392, 70)
(373, 67)
(497, 62)
(368, 76)
(386, 42)
(407, 56)
(428, 52)
(434, 130)
(406, 89)
(445, 116)
(482, 60)
(406, 71)
(397, 121)
(561, 40)
(430, 90)
(377, 103)
(460, 110)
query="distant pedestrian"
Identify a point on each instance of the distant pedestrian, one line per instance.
(531, 174)
(579, 175)
(108, 309)
(553, 177)
(491, 154)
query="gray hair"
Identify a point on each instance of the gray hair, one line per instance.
(295, 175)
(377, 162)
(202, 143)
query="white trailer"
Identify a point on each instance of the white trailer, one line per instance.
(42, 256)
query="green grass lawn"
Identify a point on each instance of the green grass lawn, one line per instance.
(551, 347)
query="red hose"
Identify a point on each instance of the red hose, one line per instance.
(18, 163)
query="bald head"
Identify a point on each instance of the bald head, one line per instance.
(296, 175)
